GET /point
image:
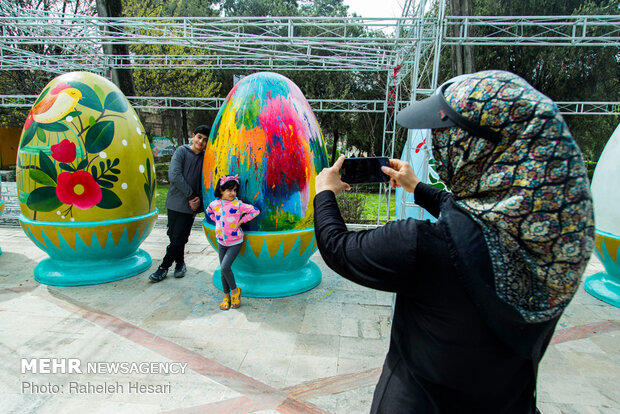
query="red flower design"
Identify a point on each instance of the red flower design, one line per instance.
(79, 189)
(64, 151)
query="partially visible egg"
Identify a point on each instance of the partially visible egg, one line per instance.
(85, 178)
(606, 187)
(606, 197)
(267, 134)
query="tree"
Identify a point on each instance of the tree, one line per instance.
(462, 56)
(121, 77)
(32, 82)
(562, 73)
(200, 83)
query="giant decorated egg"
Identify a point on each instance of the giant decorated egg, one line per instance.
(606, 197)
(86, 182)
(267, 134)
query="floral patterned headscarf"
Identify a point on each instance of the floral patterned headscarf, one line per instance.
(529, 192)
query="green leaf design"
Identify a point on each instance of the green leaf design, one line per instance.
(89, 96)
(91, 121)
(47, 165)
(109, 200)
(99, 136)
(100, 93)
(104, 183)
(74, 114)
(148, 170)
(43, 199)
(54, 127)
(83, 164)
(109, 177)
(40, 177)
(29, 134)
(41, 135)
(66, 167)
(115, 101)
(43, 95)
(93, 171)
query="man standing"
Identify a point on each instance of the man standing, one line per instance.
(184, 201)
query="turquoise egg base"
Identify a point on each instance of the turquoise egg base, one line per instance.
(261, 273)
(273, 284)
(90, 253)
(605, 285)
(92, 272)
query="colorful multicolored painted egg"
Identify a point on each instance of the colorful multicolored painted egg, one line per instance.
(86, 181)
(267, 134)
(606, 197)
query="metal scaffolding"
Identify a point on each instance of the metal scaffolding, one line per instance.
(403, 48)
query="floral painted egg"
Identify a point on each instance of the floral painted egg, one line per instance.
(606, 198)
(86, 180)
(267, 134)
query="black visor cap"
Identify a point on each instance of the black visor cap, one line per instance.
(434, 112)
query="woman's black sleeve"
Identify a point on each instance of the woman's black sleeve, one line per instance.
(383, 258)
(429, 198)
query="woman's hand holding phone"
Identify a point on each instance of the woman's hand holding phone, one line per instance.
(401, 175)
(329, 179)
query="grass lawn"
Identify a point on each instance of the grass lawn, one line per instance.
(160, 199)
(371, 205)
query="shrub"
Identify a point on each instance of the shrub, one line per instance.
(351, 206)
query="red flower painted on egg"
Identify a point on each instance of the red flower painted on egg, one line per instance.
(79, 189)
(64, 151)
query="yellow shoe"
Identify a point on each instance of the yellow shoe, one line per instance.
(225, 305)
(235, 299)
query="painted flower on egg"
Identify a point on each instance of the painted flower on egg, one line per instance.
(267, 134)
(78, 189)
(64, 151)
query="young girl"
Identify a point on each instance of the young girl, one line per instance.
(229, 213)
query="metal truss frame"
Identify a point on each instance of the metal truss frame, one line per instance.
(411, 49)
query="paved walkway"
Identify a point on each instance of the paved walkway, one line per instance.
(320, 351)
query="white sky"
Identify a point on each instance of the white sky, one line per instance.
(376, 8)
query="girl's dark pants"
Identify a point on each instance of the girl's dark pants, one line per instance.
(179, 228)
(228, 254)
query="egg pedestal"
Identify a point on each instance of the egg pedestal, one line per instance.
(606, 196)
(606, 285)
(272, 264)
(267, 135)
(86, 182)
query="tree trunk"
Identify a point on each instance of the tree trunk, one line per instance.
(462, 56)
(123, 78)
(335, 147)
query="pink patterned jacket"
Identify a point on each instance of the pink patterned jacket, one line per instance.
(228, 216)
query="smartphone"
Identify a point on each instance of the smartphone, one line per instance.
(364, 170)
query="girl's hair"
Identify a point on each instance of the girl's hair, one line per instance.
(226, 186)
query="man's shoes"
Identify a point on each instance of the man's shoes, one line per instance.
(179, 271)
(159, 275)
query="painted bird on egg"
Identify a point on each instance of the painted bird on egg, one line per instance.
(267, 133)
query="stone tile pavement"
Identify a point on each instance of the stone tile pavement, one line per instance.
(320, 351)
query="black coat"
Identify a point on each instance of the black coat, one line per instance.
(455, 347)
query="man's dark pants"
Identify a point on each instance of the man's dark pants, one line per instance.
(179, 228)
